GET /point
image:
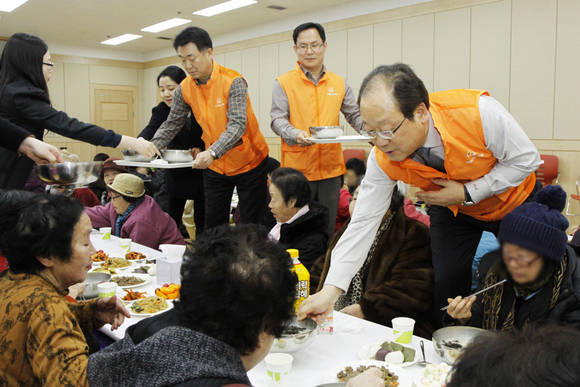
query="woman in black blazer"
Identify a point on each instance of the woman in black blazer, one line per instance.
(25, 69)
(182, 183)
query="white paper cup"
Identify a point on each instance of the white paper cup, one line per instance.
(107, 289)
(278, 366)
(124, 244)
(403, 329)
(106, 232)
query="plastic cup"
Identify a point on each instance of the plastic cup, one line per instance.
(278, 366)
(172, 251)
(107, 289)
(125, 244)
(106, 232)
(403, 329)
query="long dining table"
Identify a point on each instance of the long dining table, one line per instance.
(321, 360)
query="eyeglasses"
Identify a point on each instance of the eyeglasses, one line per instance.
(314, 46)
(384, 134)
(51, 65)
(115, 197)
(521, 260)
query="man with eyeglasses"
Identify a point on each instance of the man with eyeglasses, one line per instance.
(468, 155)
(306, 96)
(236, 151)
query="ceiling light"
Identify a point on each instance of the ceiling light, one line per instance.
(224, 7)
(10, 5)
(165, 25)
(121, 39)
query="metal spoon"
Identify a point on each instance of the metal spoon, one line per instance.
(422, 363)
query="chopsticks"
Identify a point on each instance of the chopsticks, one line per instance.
(479, 292)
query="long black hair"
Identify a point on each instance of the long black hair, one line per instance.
(22, 59)
(176, 74)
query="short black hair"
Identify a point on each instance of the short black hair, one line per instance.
(22, 59)
(356, 165)
(236, 282)
(532, 357)
(101, 157)
(292, 184)
(195, 35)
(408, 89)
(174, 72)
(35, 226)
(307, 26)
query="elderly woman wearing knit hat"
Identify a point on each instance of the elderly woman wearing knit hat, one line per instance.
(542, 271)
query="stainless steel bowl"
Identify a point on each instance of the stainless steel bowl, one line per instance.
(449, 342)
(131, 155)
(292, 342)
(70, 173)
(92, 280)
(326, 131)
(177, 155)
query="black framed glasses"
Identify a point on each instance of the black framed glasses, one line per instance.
(51, 65)
(384, 134)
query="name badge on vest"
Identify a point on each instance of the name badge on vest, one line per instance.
(219, 103)
(331, 91)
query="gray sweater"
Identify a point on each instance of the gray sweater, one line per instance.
(171, 356)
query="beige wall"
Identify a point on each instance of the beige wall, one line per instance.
(525, 52)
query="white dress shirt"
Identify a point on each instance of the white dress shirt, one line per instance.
(517, 158)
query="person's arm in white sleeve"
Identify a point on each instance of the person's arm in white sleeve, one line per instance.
(516, 154)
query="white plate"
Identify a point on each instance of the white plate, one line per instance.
(367, 352)
(145, 277)
(148, 164)
(340, 139)
(405, 377)
(169, 306)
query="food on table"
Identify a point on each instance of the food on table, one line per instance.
(435, 375)
(391, 380)
(133, 295)
(133, 255)
(141, 270)
(150, 261)
(395, 357)
(454, 349)
(389, 346)
(168, 291)
(149, 305)
(453, 344)
(127, 280)
(99, 256)
(105, 270)
(116, 263)
(294, 330)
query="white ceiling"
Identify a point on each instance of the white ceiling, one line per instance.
(85, 23)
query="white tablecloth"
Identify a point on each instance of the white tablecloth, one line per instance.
(313, 365)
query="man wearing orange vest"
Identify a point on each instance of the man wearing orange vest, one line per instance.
(469, 156)
(235, 147)
(309, 96)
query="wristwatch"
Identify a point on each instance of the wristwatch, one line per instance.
(212, 153)
(468, 201)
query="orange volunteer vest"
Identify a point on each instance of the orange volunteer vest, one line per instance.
(458, 121)
(209, 104)
(313, 105)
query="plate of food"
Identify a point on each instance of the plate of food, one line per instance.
(144, 269)
(135, 256)
(116, 263)
(393, 375)
(101, 269)
(133, 295)
(150, 306)
(99, 257)
(131, 280)
(389, 352)
(434, 375)
(340, 139)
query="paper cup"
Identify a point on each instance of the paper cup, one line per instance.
(125, 244)
(278, 366)
(107, 289)
(106, 232)
(403, 329)
(172, 251)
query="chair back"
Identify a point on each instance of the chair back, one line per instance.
(548, 171)
(353, 154)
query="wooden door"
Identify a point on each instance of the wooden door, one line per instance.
(113, 107)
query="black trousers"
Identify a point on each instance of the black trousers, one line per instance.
(252, 188)
(454, 240)
(176, 206)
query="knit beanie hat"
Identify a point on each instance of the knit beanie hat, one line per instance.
(538, 226)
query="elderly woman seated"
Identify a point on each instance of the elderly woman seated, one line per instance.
(542, 271)
(132, 214)
(396, 278)
(300, 223)
(46, 240)
(237, 293)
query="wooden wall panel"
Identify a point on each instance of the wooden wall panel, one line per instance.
(268, 73)
(387, 43)
(418, 47)
(451, 50)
